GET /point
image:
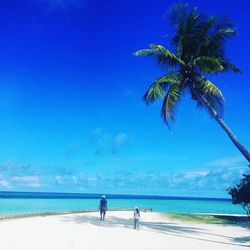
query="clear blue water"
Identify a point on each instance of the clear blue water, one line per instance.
(26, 204)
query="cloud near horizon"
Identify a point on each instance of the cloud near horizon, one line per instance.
(27, 181)
(198, 182)
(209, 182)
(4, 183)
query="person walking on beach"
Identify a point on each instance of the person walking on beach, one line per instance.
(103, 207)
(136, 218)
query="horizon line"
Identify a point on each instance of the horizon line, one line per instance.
(109, 195)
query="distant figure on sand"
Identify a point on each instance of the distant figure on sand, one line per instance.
(136, 218)
(103, 207)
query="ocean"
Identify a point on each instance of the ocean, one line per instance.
(18, 203)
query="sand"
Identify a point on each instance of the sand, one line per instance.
(86, 231)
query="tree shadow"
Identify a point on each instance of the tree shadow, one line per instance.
(193, 233)
(169, 228)
(93, 219)
(245, 225)
(239, 221)
(245, 239)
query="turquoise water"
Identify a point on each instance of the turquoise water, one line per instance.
(16, 206)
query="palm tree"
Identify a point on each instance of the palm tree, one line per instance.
(198, 45)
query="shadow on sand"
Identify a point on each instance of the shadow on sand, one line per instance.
(169, 228)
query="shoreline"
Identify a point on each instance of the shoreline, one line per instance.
(43, 214)
(229, 217)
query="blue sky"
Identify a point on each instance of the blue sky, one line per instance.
(71, 110)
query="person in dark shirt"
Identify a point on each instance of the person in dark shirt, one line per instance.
(103, 207)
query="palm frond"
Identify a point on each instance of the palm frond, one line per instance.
(185, 38)
(217, 103)
(211, 93)
(210, 89)
(228, 66)
(163, 57)
(206, 25)
(191, 21)
(208, 64)
(170, 101)
(145, 52)
(177, 14)
(168, 57)
(218, 38)
(224, 23)
(213, 43)
(157, 89)
(202, 30)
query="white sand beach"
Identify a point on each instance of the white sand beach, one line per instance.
(86, 231)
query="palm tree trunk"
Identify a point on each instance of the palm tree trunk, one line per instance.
(234, 139)
(221, 122)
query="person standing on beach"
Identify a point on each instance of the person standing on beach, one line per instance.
(136, 218)
(103, 207)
